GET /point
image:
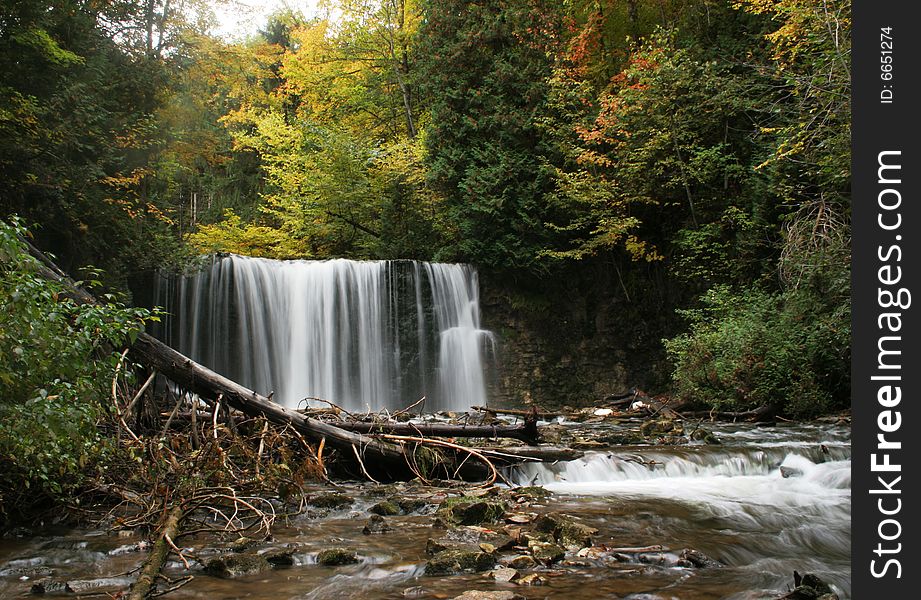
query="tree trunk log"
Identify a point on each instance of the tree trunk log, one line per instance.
(526, 433)
(157, 557)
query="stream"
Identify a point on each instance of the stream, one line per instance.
(764, 502)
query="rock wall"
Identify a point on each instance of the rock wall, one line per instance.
(559, 346)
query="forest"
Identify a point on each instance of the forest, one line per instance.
(688, 159)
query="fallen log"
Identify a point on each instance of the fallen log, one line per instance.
(144, 585)
(526, 433)
(515, 412)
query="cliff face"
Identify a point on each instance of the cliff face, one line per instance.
(558, 345)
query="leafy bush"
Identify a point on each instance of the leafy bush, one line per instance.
(57, 361)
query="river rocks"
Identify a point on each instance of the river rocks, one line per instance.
(478, 595)
(49, 586)
(697, 559)
(521, 561)
(545, 552)
(565, 530)
(468, 511)
(333, 501)
(449, 562)
(505, 574)
(241, 544)
(375, 525)
(809, 587)
(530, 493)
(533, 579)
(334, 557)
(411, 505)
(230, 566)
(280, 557)
(385, 509)
(661, 427)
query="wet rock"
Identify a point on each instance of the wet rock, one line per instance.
(505, 574)
(376, 524)
(521, 561)
(480, 595)
(141, 546)
(707, 437)
(565, 530)
(385, 509)
(411, 505)
(98, 586)
(280, 557)
(545, 552)
(416, 591)
(449, 562)
(661, 427)
(242, 544)
(699, 560)
(787, 472)
(332, 501)
(531, 492)
(533, 579)
(234, 565)
(464, 511)
(334, 557)
(809, 587)
(49, 586)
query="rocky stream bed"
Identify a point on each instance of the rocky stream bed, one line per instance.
(731, 514)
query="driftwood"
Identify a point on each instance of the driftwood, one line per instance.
(144, 585)
(526, 433)
(766, 412)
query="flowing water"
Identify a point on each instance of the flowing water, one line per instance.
(766, 501)
(367, 335)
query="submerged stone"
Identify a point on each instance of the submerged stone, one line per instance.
(449, 562)
(376, 524)
(505, 574)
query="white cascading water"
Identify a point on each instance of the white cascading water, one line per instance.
(366, 335)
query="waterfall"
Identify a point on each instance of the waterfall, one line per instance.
(366, 335)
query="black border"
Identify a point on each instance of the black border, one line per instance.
(879, 127)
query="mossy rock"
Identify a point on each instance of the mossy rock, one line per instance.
(471, 511)
(332, 501)
(280, 557)
(565, 530)
(334, 557)
(546, 553)
(534, 492)
(707, 437)
(230, 566)
(449, 562)
(385, 508)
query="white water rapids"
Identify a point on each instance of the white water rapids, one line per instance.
(767, 501)
(365, 335)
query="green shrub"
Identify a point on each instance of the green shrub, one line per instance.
(57, 361)
(745, 350)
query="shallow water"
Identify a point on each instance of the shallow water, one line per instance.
(732, 502)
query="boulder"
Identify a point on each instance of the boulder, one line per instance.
(699, 560)
(467, 511)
